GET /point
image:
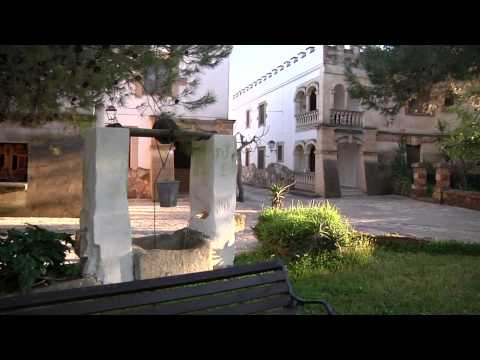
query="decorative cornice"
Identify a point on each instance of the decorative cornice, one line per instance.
(288, 63)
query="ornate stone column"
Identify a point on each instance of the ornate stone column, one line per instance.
(442, 181)
(327, 183)
(419, 186)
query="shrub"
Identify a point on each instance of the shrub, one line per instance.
(278, 192)
(32, 254)
(401, 171)
(312, 229)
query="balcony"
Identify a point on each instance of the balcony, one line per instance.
(307, 120)
(346, 119)
(305, 181)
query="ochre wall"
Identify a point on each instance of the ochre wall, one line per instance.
(55, 171)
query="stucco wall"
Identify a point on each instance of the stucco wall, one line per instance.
(55, 161)
(278, 92)
(215, 80)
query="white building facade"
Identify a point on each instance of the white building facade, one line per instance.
(307, 122)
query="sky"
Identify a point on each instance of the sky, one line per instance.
(249, 62)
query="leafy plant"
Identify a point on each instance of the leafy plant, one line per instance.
(33, 254)
(461, 145)
(401, 172)
(278, 194)
(298, 230)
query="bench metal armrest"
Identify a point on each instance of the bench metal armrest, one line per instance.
(325, 304)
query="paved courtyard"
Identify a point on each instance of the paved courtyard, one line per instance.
(373, 214)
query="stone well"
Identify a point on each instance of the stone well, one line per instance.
(182, 252)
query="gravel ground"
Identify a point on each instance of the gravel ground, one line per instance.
(373, 214)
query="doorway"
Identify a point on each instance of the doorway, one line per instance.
(348, 159)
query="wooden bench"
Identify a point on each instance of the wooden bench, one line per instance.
(261, 288)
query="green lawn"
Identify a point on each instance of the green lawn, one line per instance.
(390, 282)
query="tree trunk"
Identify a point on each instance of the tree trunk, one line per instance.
(240, 195)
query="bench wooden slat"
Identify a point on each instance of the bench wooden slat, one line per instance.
(152, 297)
(16, 302)
(216, 301)
(253, 308)
(282, 311)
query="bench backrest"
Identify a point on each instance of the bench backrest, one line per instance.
(247, 289)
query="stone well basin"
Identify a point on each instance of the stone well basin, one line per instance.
(182, 252)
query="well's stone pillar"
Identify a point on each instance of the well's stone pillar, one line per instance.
(442, 181)
(327, 183)
(106, 239)
(213, 195)
(162, 167)
(369, 163)
(419, 186)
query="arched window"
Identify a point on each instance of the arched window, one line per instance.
(298, 159)
(312, 100)
(300, 103)
(339, 97)
(311, 159)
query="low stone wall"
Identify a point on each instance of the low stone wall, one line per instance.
(274, 173)
(139, 184)
(465, 199)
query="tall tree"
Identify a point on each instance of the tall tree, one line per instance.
(38, 83)
(426, 73)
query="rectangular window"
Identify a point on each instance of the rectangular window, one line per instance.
(247, 157)
(247, 119)
(13, 162)
(261, 115)
(279, 152)
(261, 157)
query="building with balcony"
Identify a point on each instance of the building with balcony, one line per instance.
(307, 122)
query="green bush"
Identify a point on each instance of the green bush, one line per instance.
(32, 254)
(299, 230)
(401, 171)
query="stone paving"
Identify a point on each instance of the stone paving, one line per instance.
(373, 214)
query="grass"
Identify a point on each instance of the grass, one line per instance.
(436, 278)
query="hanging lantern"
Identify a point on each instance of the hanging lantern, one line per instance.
(111, 112)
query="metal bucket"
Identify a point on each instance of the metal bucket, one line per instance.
(167, 193)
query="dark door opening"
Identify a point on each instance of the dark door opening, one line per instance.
(413, 154)
(182, 167)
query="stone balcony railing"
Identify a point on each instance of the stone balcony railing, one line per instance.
(305, 181)
(307, 120)
(346, 118)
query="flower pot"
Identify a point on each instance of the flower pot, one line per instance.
(167, 193)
